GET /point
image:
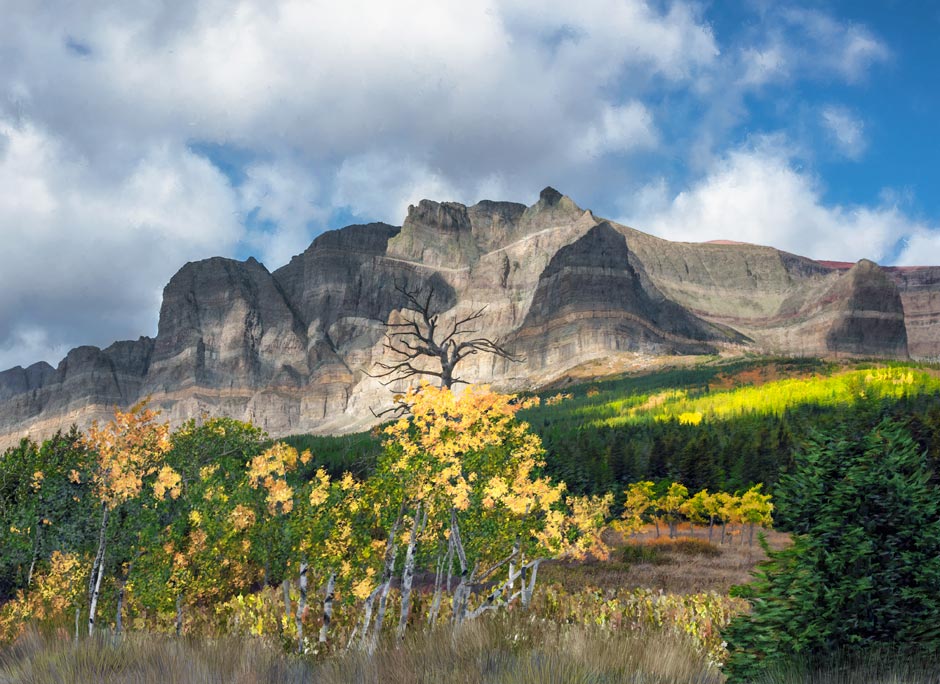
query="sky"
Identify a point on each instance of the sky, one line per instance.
(137, 135)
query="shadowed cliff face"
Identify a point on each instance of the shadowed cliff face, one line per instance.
(292, 350)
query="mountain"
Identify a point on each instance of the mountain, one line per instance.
(291, 350)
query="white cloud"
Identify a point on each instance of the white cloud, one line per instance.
(759, 195)
(801, 43)
(846, 130)
(86, 255)
(842, 48)
(760, 66)
(361, 104)
(286, 198)
(333, 79)
(921, 248)
(618, 129)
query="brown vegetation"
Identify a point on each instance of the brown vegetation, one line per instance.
(684, 565)
(508, 649)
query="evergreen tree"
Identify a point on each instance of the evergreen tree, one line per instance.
(864, 569)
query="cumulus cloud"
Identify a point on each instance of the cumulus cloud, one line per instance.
(361, 105)
(283, 202)
(758, 194)
(921, 247)
(85, 256)
(618, 129)
(845, 130)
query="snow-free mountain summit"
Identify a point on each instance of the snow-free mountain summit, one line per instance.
(292, 351)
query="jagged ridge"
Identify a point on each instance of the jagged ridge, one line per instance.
(291, 350)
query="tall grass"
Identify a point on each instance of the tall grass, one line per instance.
(507, 649)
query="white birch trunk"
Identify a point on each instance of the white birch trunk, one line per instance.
(367, 616)
(327, 607)
(391, 552)
(527, 591)
(301, 605)
(407, 575)
(97, 570)
(383, 602)
(462, 592)
(511, 584)
(443, 565)
(96, 592)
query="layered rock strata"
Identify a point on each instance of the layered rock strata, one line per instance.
(293, 350)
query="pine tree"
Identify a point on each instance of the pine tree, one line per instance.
(864, 569)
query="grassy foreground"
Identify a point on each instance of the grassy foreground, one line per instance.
(507, 651)
(499, 650)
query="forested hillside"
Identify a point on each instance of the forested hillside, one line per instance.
(722, 426)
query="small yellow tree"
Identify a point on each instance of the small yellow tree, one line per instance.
(128, 449)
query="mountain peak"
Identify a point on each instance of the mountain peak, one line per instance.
(550, 196)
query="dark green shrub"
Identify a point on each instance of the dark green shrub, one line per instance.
(864, 569)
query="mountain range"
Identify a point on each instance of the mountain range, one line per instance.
(295, 350)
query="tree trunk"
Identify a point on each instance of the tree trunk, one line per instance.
(383, 602)
(407, 574)
(511, 586)
(285, 589)
(723, 526)
(528, 591)
(656, 522)
(97, 570)
(711, 526)
(179, 615)
(367, 616)
(462, 595)
(391, 552)
(327, 607)
(301, 604)
(443, 565)
(78, 613)
(491, 601)
(459, 600)
(119, 617)
(96, 592)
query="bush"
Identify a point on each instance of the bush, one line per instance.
(864, 570)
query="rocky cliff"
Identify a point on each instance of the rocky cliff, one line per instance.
(292, 350)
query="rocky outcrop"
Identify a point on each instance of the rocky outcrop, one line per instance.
(919, 287)
(293, 350)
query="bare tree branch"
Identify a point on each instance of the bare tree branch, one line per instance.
(418, 337)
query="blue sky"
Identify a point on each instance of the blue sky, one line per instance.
(138, 135)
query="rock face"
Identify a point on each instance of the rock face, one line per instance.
(292, 350)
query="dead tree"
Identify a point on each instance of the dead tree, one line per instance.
(423, 335)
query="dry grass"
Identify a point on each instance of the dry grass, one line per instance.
(505, 649)
(685, 565)
(146, 658)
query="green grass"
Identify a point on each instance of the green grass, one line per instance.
(687, 396)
